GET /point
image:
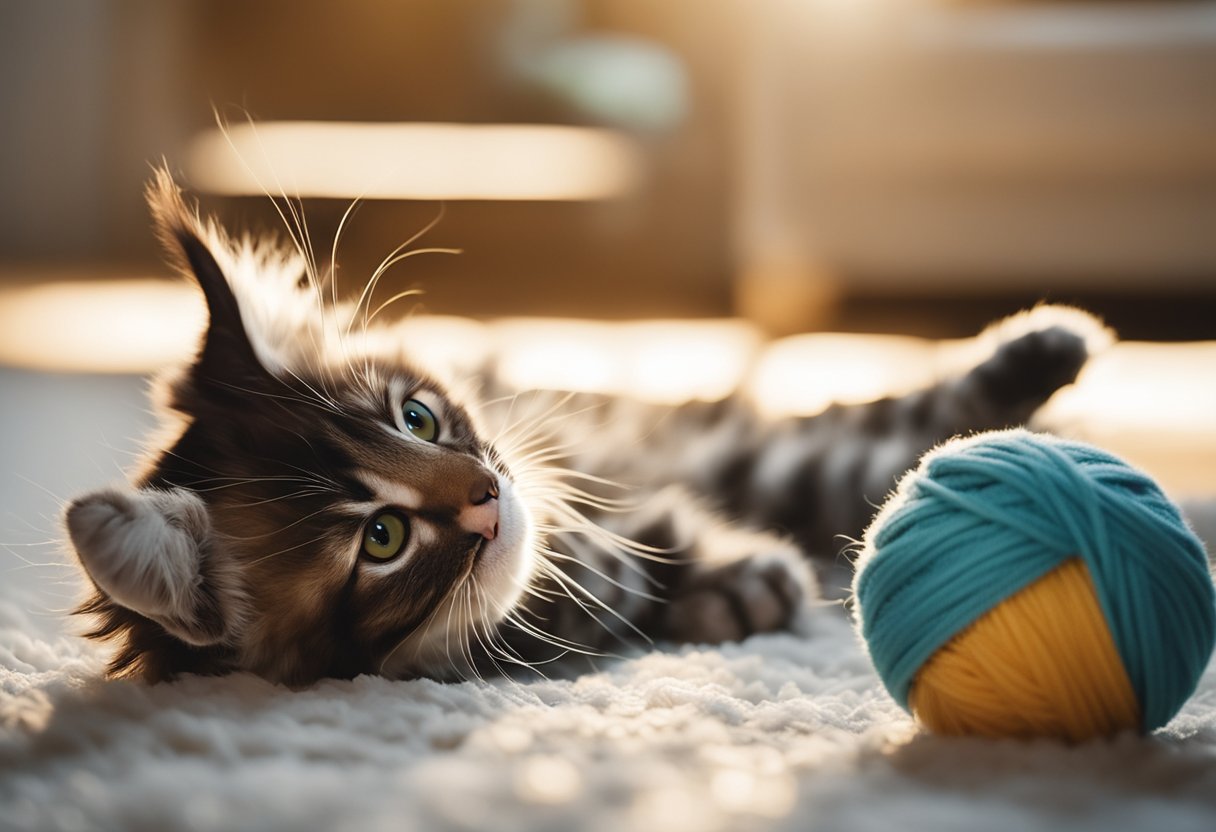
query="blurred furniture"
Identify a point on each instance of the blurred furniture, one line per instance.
(959, 149)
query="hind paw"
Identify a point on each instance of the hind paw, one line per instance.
(757, 594)
(1042, 362)
(1028, 368)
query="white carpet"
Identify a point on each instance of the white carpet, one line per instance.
(778, 732)
(785, 732)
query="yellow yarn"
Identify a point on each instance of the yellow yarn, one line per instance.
(1041, 663)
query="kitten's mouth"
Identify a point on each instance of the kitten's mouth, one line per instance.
(480, 548)
(502, 564)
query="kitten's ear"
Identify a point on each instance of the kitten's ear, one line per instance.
(154, 553)
(227, 350)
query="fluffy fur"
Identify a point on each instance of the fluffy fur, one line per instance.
(240, 545)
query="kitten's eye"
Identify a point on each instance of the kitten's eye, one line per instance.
(420, 421)
(385, 536)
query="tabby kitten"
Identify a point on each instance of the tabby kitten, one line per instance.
(323, 508)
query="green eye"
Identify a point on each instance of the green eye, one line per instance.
(385, 536)
(420, 421)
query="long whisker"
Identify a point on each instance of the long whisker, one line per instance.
(407, 293)
(301, 230)
(536, 422)
(586, 564)
(375, 280)
(371, 284)
(498, 648)
(514, 620)
(312, 486)
(333, 253)
(470, 626)
(612, 541)
(283, 551)
(292, 225)
(333, 280)
(570, 584)
(296, 399)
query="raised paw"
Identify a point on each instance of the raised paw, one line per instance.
(1040, 351)
(732, 601)
(148, 551)
(141, 547)
(1027, 370)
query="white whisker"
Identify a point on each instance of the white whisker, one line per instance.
(365, 296)
(570, 584)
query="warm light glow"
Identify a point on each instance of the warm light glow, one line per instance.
(548, 780)
(804, 374)
(561, 355)
(674, 361)
(138, 326)
(1153, 404)
(415, 161)
(447, 346)
(671, 809)
(113, 326)
(1163, 388)
(739, 790)
(656, 361)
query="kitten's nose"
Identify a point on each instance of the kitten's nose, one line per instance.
(480, 516)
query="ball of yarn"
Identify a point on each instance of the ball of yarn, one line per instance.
(1017, 584)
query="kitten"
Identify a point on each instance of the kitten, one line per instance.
(322, 508)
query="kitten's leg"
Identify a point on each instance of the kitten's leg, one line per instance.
(820, 478)
(151, 552)
(745, 584)
(814, 479)
(727, 582)
(697, 579)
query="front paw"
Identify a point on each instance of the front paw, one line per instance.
(142, 549)
(732, 601)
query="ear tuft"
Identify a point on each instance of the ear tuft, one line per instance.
(192, 246)
(153, 553)
(173, 219)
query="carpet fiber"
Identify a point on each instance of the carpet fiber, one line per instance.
(780, 732)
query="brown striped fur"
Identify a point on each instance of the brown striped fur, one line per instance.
(237, 548)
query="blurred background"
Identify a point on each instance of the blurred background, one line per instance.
(876, 169)
(870, 165)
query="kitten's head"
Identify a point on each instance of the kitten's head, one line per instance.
(322, 511)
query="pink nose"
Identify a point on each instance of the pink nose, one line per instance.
(480, 516)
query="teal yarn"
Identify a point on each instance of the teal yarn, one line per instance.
(983, 517)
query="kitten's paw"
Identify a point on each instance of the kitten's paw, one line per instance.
(1027, 370)
(757, 594)
(1038, 352)
(140, 547)
(150, 551)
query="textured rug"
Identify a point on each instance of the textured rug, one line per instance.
(779, 732)
(783, 732)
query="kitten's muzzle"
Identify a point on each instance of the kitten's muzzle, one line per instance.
(480, 516)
